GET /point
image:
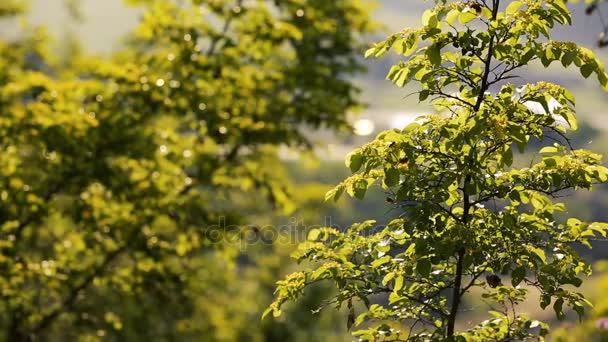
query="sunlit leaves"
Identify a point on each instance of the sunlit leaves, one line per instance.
(466, 17)
(513, 7)
(468, 211)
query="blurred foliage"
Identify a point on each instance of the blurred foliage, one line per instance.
(12, 7)
(129, 186)
(594, 327)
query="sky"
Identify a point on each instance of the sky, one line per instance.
(106, 21)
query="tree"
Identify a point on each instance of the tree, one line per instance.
(468, 219)
(122, 179)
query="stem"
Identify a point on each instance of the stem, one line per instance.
(457, 292)
(224, 31)
(488, 62)
(456, 295)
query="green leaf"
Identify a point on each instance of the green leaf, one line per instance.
(399, 46)
(276, 313)
(548, 149)
(580, 310)
(537, 203)
(388, 277)
(429, 18)
(379, 262)
(518, 274)
(359, 188)
(570, 118)
(466, 17)
(602, 77)
(568, 95)
(452, 16)
(557, 307)
(402, 78)
(354, 160)
(433, 53)
(423, 95)
(369, 52)
(411, 44)
(513, 7)
(540, 253)
(399, 281)
(545, 300)
(267, 312)
(391, 177)
(568, 58)
(507, 157)
(313, 234)
(587, 70)
(550, 162)
(334, 194)
(423, 267)
(577, 282)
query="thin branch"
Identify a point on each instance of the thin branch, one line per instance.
(224, 31)
(472, 282)
(70, 299)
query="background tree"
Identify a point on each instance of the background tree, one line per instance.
(124, 181)
(468, 220)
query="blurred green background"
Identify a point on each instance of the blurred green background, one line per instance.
(100, 27)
